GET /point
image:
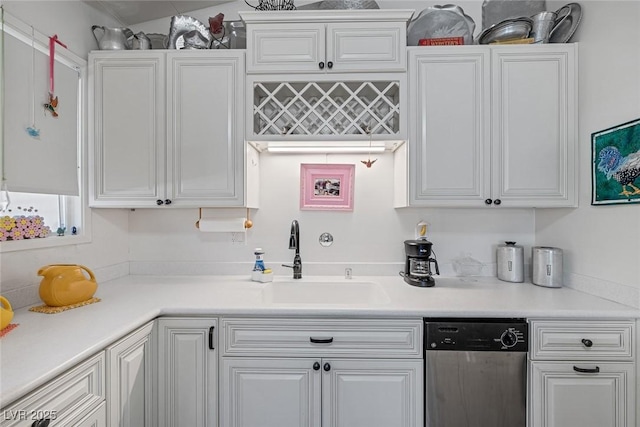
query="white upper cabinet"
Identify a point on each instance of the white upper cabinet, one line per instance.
(449, 151)
(493, 126)
(534, 135)
(326, 41)
(167, 129)
(127, 126)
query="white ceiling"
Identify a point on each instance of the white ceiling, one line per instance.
(129, 12)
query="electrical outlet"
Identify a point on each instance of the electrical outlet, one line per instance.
(348, 273)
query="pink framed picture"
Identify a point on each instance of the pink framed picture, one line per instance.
(326, 187)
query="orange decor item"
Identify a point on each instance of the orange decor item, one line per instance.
(66, 284)
(6, 313)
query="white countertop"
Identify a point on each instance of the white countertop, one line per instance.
(45, 345)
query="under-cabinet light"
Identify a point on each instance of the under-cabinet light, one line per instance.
(323, 150)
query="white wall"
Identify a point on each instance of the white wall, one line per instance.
(107, 254)
(602, 243)
(372, 234)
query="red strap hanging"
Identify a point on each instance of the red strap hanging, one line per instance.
(53, 100)
(52, 52)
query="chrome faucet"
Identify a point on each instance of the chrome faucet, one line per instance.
(294, 243)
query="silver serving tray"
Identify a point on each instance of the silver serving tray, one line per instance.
(509, 29)
(181, 34)
(566, 29)
(439, 22)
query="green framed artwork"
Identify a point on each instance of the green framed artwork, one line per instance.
(615, 157)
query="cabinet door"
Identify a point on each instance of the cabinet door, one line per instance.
(378, 393)
(534, 126)
(561, 396)
(367, 46)
(129, 372)
(270, 392)
(449, 151)
(127, 117)
(277, 48)
(205, 128)
(187, 372)
(95, 418)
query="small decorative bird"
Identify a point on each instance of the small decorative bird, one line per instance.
(52, 105)
(625, 169)
(368, 163)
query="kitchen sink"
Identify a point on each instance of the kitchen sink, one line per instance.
(325, 292)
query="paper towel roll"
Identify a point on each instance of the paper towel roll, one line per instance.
(222, 225)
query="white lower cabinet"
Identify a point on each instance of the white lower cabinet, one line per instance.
(293, 392)
(187, 375)
(75, 398)
(583, 394)
(95, 418)
(129, 374)
(321, 373)
(582, 374)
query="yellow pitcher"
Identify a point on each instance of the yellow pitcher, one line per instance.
(66, 284)
(6, 313)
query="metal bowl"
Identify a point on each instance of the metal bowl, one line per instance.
(510, 29)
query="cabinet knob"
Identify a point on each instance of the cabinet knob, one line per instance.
(488, 201)
(326, 367)
(497, 201)
(159, 202)
(41, 423)
(321, 65)
(316, 366)
(167, 201)
(330, 64)
(587, 342)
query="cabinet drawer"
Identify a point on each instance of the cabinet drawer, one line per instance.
(80, 389)
(581, 340)
(379, 338)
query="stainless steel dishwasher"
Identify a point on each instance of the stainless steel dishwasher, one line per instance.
(475, 372)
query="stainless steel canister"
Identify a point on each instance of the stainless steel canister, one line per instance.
(510, 259)
(547, 266)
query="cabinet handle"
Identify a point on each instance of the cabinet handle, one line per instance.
(587, 371)
(326, 367)
(167, 201)
(211, 346)
(316, 366)
(497, 201)
(41, 423)
(330, 64)
(587, 342)
(321, 65)
(159, 202)
(321, 340)
(488, 201)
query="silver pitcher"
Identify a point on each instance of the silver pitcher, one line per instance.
(112, 38)
(140, 41)
(544, 24)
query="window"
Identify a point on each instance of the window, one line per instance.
(43, 170)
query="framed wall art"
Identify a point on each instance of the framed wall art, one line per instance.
(326, 187)
(615, 164)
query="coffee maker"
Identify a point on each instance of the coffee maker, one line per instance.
(417, 268)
